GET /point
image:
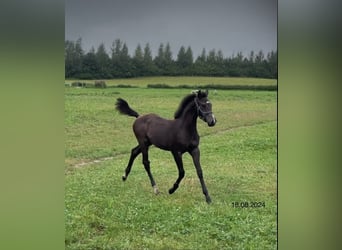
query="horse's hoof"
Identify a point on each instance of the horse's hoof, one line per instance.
(124, 178)
(156, 191)
(208, 200)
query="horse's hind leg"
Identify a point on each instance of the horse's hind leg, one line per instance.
(146, 163)
(134, 153)
(178, 159)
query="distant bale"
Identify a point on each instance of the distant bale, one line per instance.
(100, 84)
(78, 84)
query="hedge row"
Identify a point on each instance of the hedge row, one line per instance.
(102, 84)
(216, 86)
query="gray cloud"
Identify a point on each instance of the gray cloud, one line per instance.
(232, 26)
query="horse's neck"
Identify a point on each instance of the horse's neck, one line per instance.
(189, 118)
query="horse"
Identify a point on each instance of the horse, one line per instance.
(178, 135)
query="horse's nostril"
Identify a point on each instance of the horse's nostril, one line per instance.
(212, 123)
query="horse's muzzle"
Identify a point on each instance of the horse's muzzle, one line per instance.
(212, 121)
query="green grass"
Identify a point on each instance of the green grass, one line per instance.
(238, 158)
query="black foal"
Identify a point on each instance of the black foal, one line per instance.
(178, 136)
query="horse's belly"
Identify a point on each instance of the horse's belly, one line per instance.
(161, 141)
(170, 145)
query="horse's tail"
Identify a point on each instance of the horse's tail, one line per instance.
(122, 106)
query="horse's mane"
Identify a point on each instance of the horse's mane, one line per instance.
(188, 99)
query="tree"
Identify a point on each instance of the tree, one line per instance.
(103, 62)
(250, 68)
(159, 59)
(259, 57)
(149, 67)
(260, 65)
(215, 64)
(200, 64)
(68, 58)
(189, 59)
(122, 65)
(219, 57)
(251, 57)
(79, 53)
(272, 59)
(73, 58)
(147, 54)
(90, 67)
(138, 61)
(126, 65)
(168, 63)
(181, 61)
(211, 64)
(98, 64)
(203, 57)
(168, 54)
(185, 61)
(235, 63)
(116, 50)
(164, 61)
(219, 64)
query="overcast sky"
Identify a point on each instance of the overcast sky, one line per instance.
(229, 25)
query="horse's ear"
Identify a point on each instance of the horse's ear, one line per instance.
(195, 92)
(202, 93)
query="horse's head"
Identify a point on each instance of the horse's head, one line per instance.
(203, 106)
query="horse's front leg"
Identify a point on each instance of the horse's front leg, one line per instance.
(178, 159)
(195, 153)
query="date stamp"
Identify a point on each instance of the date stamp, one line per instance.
(248, 204)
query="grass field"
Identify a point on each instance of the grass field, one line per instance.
(238, 158)
(185, 80)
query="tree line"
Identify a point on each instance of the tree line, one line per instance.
(98, 64)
